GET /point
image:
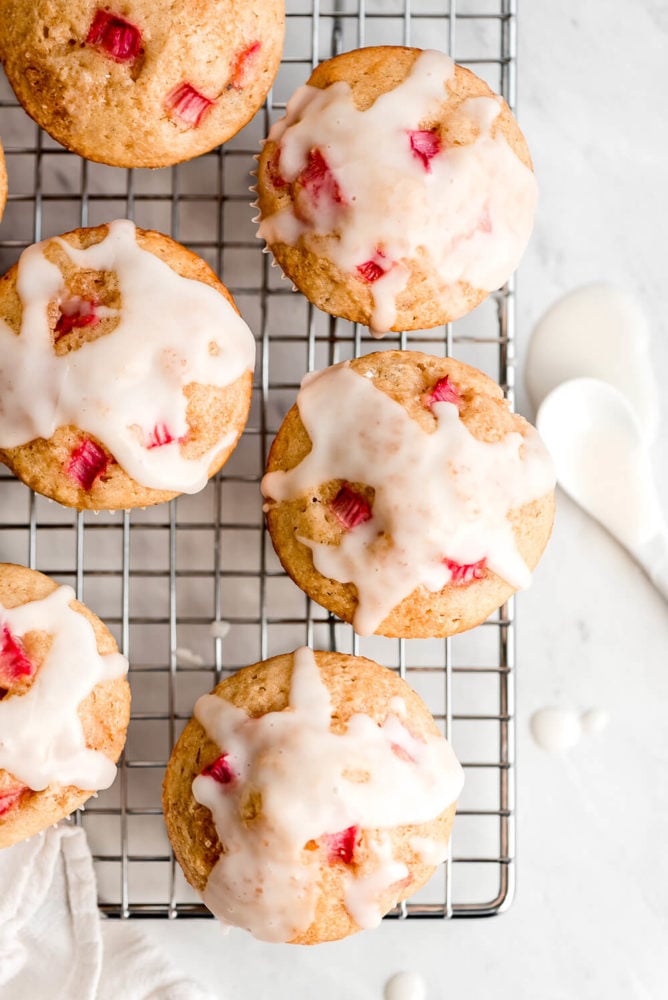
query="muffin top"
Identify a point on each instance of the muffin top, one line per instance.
(139, 83)
(113, 331)
(408, 175)
(330, 764)
(64, 702)
(406, 472)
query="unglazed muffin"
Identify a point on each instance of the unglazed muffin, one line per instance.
(125, 368)
(3, 181)
(397, 191)
(138, 83)
(308, 795)
(64, 703)
(405, 497)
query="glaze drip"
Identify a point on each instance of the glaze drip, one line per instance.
(440, 497)
(465, 211)
(265, 880)
(41, 737)
(121, 386)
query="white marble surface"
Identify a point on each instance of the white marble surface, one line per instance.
(591, 918)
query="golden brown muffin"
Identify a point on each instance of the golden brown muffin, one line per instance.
(99, 310)
(28, 653)
(346, 497)
(3, 181)
(283, 762)
(139, 84)
(394, 210)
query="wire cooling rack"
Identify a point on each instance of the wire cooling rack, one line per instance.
(161, 577)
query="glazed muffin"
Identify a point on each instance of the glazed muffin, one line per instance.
(140, 84)
(309, 794)
(125, 368)
(3, 181)
(64, 703)
(405, 497)
(397, 191)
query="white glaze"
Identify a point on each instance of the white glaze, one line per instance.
(309, 782)
(405, 986)
(391, 201)
(594, 721)
(440, 495)
(41, 738)
(122, 385)
(558, 729)
(597, 331)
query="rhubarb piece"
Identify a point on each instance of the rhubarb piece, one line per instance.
(485, 223)
(341, 846)
(14, 662)
(350, 508)
(273, 169)
(159, 435)
(114, 36)
(402, 753)
(75, 313)
(9, 797)
(87, 462)
(372, 270)
(188, 104)
(219, 770)
(444, 391)
(425, 145)
(319, 181)
(465, 573)
(241, 64)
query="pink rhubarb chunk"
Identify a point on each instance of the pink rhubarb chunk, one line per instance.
(10, 796)
(341, 846)
(425, 145)
(349, 508)
(14, 663)
(115, 36)
(444, 391)
(188, 104)
(372, 270)
(220, 770)
(87, 462)
(74, 315)
(466, 573)
(319, 181)
(159, 435)
(241, 64)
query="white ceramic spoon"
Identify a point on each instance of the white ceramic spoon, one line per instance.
(602, 462)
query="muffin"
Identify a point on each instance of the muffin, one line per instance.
(140, 84)
(64, 703)
(125, 368)
(397, 191)
(405, 497)
(3, 181)
(309, 794)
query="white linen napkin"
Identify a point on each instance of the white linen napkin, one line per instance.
(51, 936)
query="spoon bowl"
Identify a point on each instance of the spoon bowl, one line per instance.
(602, 462)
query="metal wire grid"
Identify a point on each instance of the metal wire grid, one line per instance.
(160, 577)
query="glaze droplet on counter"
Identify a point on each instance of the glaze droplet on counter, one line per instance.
(172, 332)
(438, 496)
(467, 210)
(265, 880)
(405, 986)
(560, 728)
(41, 736)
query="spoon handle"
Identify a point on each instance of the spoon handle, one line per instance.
(653, 557)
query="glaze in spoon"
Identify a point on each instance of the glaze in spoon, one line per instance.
(602, 462)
